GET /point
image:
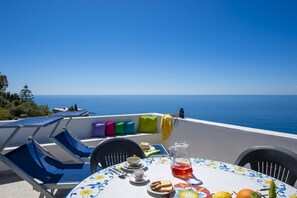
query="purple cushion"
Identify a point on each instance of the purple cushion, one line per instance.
(98, 129)
(109, 128)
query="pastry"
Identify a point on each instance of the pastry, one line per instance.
(165, 183)
(144, 146)
(156, 185)
(166, 189)
(162, 186)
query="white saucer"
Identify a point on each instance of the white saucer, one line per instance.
(126, 166)
(144, 179)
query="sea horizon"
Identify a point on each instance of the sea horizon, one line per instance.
(165, 95)
(268, 112)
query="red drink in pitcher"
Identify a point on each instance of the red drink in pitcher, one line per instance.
(181, 162)
(181, 169)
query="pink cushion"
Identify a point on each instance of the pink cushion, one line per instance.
(109, 128)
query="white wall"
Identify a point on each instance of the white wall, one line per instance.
(81, 127)
(207, 139)
(224, 142)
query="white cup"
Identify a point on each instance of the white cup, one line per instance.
(138, 174)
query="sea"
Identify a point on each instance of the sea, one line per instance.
(269, 112)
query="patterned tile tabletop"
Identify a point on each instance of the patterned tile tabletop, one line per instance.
(216, 176)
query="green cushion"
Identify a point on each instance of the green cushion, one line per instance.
(119, 128)
(147, 123)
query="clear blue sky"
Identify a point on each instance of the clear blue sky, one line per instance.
(149, 46)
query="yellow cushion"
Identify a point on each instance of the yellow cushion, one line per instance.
(147, 124)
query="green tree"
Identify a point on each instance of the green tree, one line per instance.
(13, 105)
(4, 114)
(26, 93)
(3, 82)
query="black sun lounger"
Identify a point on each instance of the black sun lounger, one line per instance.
(37, 166)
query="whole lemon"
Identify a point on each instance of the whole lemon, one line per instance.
(244, 193)
(222, 194)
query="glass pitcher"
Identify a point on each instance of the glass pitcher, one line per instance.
(181, 164)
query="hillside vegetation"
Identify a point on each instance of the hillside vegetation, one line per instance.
(14, 106)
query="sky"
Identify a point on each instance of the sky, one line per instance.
(136, 47)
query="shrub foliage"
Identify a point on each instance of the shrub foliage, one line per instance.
(13, 106)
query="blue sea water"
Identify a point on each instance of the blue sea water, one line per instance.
(274, 112)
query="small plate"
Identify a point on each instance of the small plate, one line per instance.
(144, 179)
(148, 187)
(127, 167)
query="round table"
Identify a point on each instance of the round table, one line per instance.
(216, 176)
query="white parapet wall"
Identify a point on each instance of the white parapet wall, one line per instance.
(223, 142)
(215, 141)
(82, 128)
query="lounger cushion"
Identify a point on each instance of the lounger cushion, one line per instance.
(147, 123)
(46, 169)
(76, 147)
(119, 128)
(109, 128)
(129, 127)
(98, 129)
(73, 173)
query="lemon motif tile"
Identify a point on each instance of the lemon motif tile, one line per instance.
(239, 170)
(100, 177)
(214, 164)
(164, 160)
(85, 192)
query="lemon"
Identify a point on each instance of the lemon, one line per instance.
(222, 194)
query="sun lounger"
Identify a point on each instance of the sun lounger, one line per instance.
(37, 166)
(69, 142)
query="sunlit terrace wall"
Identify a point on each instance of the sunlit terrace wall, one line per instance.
(207, 139)
(81, 127)
(225, 142)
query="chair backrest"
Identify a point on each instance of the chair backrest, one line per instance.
(114, 151)
(76, 147)
(35, 163)
(276, 162)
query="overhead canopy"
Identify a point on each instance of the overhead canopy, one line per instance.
(71, 113)
(32, 122)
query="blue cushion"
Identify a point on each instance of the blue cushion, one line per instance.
(129, 127)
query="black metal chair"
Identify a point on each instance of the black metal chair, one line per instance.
(114, 151)
(274, 161)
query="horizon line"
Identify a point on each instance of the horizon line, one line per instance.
(165, 95)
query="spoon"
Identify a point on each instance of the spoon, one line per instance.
(119, 173)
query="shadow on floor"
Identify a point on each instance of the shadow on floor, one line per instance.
(9, 177)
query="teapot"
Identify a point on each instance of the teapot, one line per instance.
(181, 164)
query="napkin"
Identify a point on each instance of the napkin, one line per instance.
(149, 153)
(166, 126)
